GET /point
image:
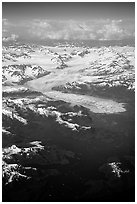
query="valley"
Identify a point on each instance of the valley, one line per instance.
(68, 123)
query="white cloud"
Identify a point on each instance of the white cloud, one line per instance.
(5, 22)
(13, 37)
(97, 29)
(111, 31)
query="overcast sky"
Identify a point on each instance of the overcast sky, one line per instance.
(91, 21)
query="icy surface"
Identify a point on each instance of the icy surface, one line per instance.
(71, 67)
(35, 78)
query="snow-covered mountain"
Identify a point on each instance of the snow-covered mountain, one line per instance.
(104, 66)
(108, 67)
(15, 108)
(63, 107)
(21, 112)
(20, 73)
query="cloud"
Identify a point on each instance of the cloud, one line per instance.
(61, 30)
(13, 37)
(112, 31)
(90, 30)
(97, 29)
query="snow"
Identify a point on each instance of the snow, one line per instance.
(104, 66)
(11, 150)
(96, 105)
(6, 132)
(11, 172)
(41, 109)
(8, 89)
(18, 72)
(13, 115)
(116, 169)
